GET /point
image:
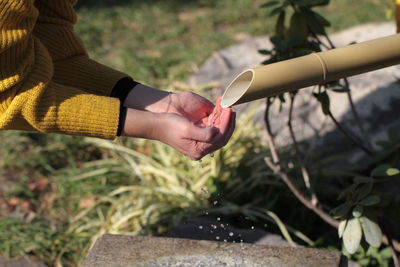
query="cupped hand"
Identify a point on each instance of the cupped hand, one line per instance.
(192, 139)
(197, 129)
(186, 121)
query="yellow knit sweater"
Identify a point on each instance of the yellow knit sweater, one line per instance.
(47, 82)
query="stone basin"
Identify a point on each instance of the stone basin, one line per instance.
(125, 251)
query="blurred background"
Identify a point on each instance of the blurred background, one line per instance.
(59, 193)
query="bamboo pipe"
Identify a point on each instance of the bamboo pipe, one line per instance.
(312, 69)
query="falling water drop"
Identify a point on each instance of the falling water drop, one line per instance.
(218, 219)
(217, 237)
(252, 228)
(231, 234)
(200, 227)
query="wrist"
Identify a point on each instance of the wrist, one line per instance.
(140, 124)
(143, 97)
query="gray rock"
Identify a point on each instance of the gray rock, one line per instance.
(22, 262)
(119, 250)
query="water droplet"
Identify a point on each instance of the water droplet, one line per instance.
(211, 231)
(265, 225)
(252, 228)
(215, 202)
(233, 241)
(218, 219)
(241, 240)
(213, 226)
(217, 237)
(206, 212)
(246, 218)
(231, 234)
(200, 227)
(225, 240)
(222, 225)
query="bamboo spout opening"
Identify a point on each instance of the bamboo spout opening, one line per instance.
(237, 88)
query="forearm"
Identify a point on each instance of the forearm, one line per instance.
(143, 97)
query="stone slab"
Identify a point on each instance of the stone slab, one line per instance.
(21, 262)
(125, 251)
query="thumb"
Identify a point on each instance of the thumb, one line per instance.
(201, 134)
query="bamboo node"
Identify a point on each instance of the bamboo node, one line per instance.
(324, 68)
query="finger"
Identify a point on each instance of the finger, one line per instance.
(232, 125)
(222, 124)
(201, 134)
(225, 138)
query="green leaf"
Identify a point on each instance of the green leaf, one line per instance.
(352, 235)
(372, 231)
(383, 144)
(384, 170)
(268, 61)
(275, 11)
(264, 52)
(323, 21)
(357, 211)
(392, 171)
(310, 3)
(280, 24)
(341, 90)
(364, 190)
(347, 191)
(323, 98)
(313, 21)
(362, 180)
(342, 227)
(341, 210)
(370, 200)
(282, 98)
(297, 28)
(392, 134)
(269, 4)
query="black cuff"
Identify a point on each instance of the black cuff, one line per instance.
(121, 91)
(121, 121)
(122, 88)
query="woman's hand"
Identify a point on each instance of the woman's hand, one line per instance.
(193, 140)
(186, 121)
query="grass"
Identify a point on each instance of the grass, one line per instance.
(167, 41)
(65, 191)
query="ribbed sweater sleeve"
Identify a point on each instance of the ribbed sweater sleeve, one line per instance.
(29, 99)
(72, 66)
